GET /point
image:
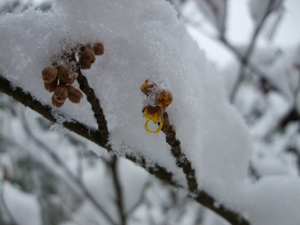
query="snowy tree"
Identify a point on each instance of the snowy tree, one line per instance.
(117, 90)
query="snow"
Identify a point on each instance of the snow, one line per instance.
(147, 41)
(26, 210)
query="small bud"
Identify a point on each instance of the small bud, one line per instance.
(49, 74)
(74, 94)
(66, 75)
(56, 103)
(86, 58)
(61, 93)
(98, 48)
(164, 98)
(51, 86)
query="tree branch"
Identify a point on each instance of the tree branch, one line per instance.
(28, 100)
(46, 111)
(95, 103)
(181, 159)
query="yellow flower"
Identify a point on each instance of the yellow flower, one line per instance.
(147, 87)
(164, 98)
(154, 113)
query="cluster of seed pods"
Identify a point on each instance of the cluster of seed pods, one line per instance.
(59, 79)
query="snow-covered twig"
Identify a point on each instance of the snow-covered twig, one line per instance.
(202, 197)
(95, 103)
(181, 159)
(46, 111)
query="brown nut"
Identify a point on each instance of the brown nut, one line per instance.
(66, 75)
(61, 93)
(74, 94)
(49, 74)
(98, 48)
(51, 86)
(86, 58)
(56, 103)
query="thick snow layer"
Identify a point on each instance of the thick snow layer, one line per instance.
(145, 40)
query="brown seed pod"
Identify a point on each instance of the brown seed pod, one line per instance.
(74, 94)
(85, 65)
(86, 58)
(51, 86)
(49, 74)
(66, 75)
(98, 48)
(56, 103)
(61, 93)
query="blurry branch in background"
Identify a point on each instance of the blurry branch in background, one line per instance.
(246, 57)
(118, 190)
(141, 200)
(93, 135)
(67, 171)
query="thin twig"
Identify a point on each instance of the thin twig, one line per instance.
(181, 159)
(95, 104)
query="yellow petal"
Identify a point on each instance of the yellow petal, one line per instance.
(150, 131)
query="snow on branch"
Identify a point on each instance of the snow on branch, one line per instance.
(200, 196)
(204, 146)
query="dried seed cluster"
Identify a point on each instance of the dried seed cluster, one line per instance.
(59, 79)
(160, 99)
